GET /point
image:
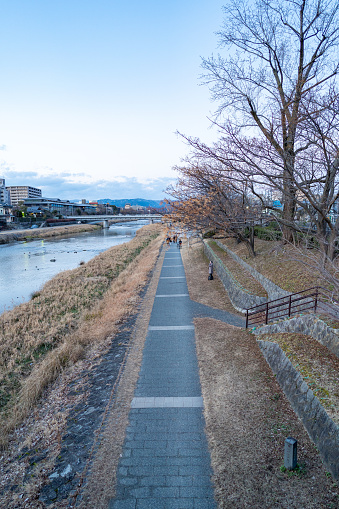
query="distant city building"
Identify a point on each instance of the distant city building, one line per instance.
(5, 207)
(4, 194)
(6, 214)
(21, 193)
(277, 204)
(54, 205)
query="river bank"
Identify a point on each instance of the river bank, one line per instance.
(44, 233)
(38, 339)
(27, 266)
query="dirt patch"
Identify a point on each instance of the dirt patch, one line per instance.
(209, 293)
(247, 421)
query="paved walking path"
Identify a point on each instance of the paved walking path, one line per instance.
(165, 462)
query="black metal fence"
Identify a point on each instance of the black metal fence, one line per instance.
(299, 302)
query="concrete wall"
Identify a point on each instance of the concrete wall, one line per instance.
(322, 430)
(273, 291)
(309, 325)
(239, 296)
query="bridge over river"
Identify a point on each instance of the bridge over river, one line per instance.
(108, 219)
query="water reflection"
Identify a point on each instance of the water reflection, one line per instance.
(26, 266)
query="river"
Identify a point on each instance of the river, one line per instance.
(26, 266)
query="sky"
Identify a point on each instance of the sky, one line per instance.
(93, 92)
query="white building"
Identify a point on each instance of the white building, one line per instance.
(21, 193)
(4, 194)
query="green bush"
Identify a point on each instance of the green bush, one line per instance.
(273, 225)
(209, 234)
(267, 233)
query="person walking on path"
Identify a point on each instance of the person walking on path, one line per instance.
(210, 270)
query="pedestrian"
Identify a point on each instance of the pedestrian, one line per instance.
(180, 242)
(210, 271)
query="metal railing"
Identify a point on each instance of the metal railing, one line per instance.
(305, 300)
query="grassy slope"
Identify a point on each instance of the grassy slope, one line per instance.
(39, 338)
(277, 262)
(244, 278)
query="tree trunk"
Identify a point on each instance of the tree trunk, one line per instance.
(288, 218)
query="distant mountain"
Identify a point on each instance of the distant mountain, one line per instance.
(133, 201)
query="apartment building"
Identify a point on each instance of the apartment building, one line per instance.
(4, 194)
(21, 193)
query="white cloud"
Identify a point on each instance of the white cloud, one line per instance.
(78, 186)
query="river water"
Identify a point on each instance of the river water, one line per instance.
(26, 266)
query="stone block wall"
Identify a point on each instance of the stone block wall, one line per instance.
(309, 325)
(323, 431)
(240, 298)
(273, 291)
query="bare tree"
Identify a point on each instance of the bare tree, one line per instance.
(280, 55)
(204, 198)
(317, 173)
(239, 159)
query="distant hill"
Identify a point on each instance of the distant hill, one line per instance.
(133, 201)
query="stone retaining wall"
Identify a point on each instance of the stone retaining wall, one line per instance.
(309, 325)
(273, 291)
(240, 298)
(322, 430)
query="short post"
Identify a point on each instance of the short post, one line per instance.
(266, 320)
(246, 318)
(289, 306)
(316, 300)
(290, 454)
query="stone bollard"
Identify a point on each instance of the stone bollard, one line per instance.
(290, 454)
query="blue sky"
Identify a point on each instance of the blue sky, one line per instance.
(92, 92)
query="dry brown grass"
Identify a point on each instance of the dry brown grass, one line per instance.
(247, 421)
(276, 262)
(45, 233)
(100, 485)
(316, 364)
(75, 309)
(209, 293)
(244, 278)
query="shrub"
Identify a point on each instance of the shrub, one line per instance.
(267, 233)
(209, 234)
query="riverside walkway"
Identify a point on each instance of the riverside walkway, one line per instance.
(165, 462)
